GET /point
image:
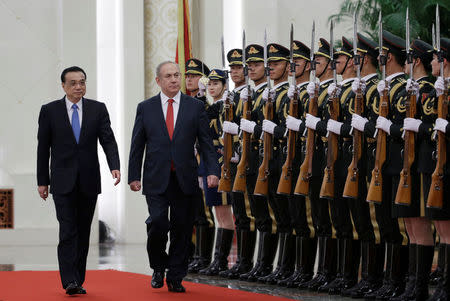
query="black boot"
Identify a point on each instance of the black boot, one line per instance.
(436, 275)
(424, 260)
(328, 270)
(286, 258)
(339, 269)
(203, 245)
(410, 288)
(352, 260)
(224, 240)
(372, 262)
(246, 249)
(398, 272)
(266, 254)
(305, 252)
(370, 295)
(442, 292)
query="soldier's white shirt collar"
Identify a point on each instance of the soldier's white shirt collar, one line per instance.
(302, 84)
(347, 80)
(369, 76)
(237, 89)
(260, 85)
(279, 85)
(326, 81)
(392, 76)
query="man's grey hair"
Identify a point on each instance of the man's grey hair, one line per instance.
(158, 68)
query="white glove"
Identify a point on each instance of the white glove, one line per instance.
(201, 89)
(291, 91)
(311, 89)
(412, 86)
(440, 125)
(334, 126)
(439, 86)
(381, 86)
(247, 125)
(332, 88)
(200, 182)
(244, 94)
(235, 158)
(384, 124)
(311, 121)
(265, 94)
(411, 124)
(230, 128)
(268, 126)
(293, 123)
(356, 83)
(359, 122)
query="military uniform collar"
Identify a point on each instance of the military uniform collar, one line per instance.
(369, 76)
(279, 85)
(237, 89)
(392, 76)
(302, 84)
(260, 85)
(326, 81)
(347, 80)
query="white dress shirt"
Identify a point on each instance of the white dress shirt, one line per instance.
(175, 105)
(69, 105)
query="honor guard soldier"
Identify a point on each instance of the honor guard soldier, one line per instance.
(372, 249)
(264, 221)
(204, 220)
(299, 205)
(395, 235)
(325, 232)
(221, 201)
(244, 220)
(278, 61)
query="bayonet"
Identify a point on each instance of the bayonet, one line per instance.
(380, 41)
(291, 54)
(356, 56)
(409, 56)
(244, 59)
(266, 63)
(433, 36)
(223, 63)
(333, 62)
(312, 61)
(438, 42)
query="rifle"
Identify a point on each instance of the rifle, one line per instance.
(285, 184)
(351, 188)
(403, 196)
(240, 182)
(327, 188)
(302, 186)
(436, 195)
(262, 182)
(374, 193)
(225, 177)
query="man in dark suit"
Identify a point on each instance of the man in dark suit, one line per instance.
(167, 127)
(68, 132)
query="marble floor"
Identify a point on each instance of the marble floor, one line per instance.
(132, 258)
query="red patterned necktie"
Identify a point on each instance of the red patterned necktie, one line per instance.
(169, 124)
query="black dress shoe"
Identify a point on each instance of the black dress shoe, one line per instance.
(81, 291)
(157, 279)
(175, 287)
(72, 288)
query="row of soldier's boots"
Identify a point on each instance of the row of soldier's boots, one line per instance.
(388, 271)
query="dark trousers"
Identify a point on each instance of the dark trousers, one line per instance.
(180, 224)
(74, 212)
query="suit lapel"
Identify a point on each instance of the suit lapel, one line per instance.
(85, 118)
(157, 109)
(180, 115)
(66, 120)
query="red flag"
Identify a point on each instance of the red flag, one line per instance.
(184, 46)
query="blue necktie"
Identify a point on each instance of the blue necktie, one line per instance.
(76, 122)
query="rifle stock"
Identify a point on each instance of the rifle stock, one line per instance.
(285, 184)
(262, 182)
(351, 188)
(240, 181)
(302, 185)
(225, 177)
(403, 196)
(436, 195)
(327, 188)
(374, 194)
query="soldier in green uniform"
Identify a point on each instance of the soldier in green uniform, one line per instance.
(244, 220)
(264, 220)
(320, 207)
(395, 236)
(372, 248)
(299, 205)
(204, 220)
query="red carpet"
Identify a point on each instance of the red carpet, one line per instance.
(111, 285)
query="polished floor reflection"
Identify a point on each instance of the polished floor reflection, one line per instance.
(132, 258)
